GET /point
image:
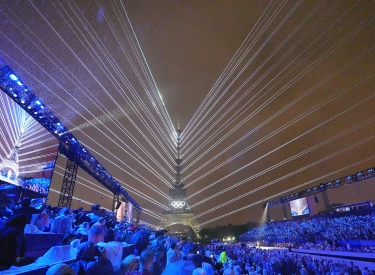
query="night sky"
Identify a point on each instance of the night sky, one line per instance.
(273, 97)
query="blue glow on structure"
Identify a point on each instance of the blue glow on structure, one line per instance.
(69, 145)
(13, 77)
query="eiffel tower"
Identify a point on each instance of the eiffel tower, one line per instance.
(180, 212)
(9, 167)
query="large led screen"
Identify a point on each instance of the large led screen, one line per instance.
(299, 207)
(27, 150)
(125, 212)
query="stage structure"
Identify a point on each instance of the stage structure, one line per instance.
(70, 147)
(9, 166)
(323, 187)
(180, 212)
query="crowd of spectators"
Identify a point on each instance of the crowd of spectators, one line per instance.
(318, 233)
(251, 260)
(99, 241)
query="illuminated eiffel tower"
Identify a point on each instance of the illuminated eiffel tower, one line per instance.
(9, 167)
(180, 212)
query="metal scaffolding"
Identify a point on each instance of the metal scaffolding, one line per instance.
(68, 184)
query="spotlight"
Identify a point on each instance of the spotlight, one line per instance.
(13, 77)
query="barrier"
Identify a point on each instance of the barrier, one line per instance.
(61, 253)
(369, 257)
(38, 244)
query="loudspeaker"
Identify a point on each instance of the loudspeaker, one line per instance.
(316, 199)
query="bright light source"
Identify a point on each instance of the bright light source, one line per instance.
(178, 204)
(13, 77)
(19, 83)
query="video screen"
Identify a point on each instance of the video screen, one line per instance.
(129, 212)
(28, 151)
(125, 212)
(299, 207)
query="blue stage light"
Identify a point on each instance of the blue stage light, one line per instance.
(51, 123)
(13, 77)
